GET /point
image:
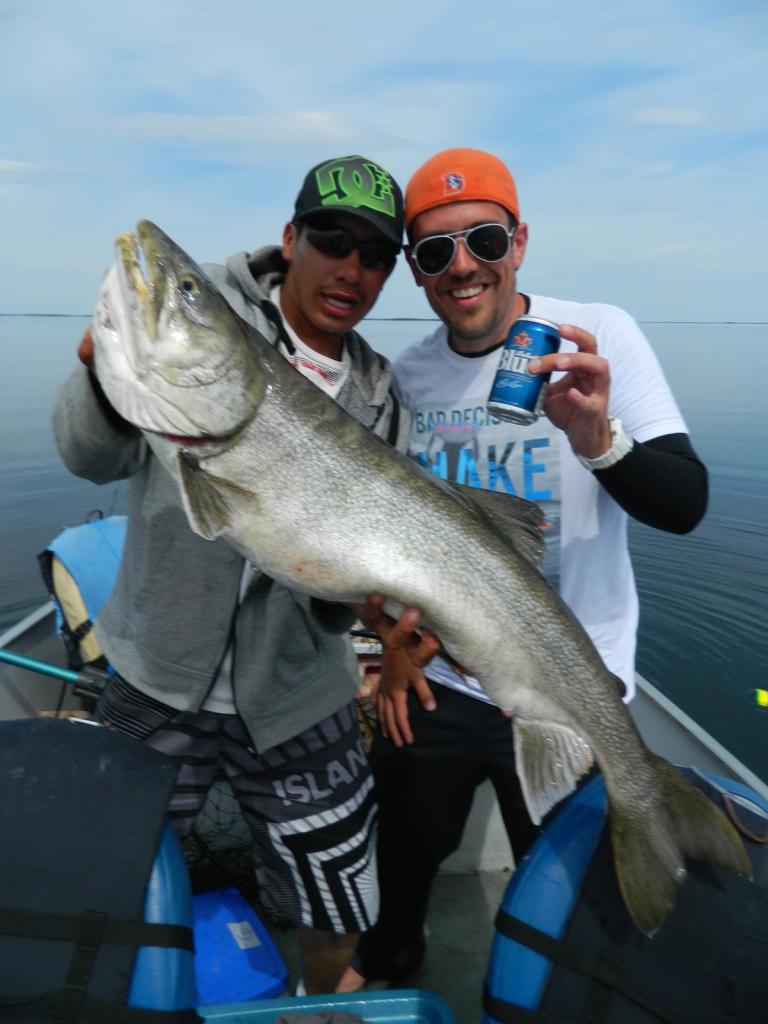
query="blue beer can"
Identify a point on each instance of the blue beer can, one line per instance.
(517, 395)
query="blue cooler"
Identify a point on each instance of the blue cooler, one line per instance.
(235, 959)
(397, 1006)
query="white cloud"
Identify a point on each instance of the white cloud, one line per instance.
(246, 133)
(15, 166)
(635, 131)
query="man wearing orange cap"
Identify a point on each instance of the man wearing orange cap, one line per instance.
(611, 445)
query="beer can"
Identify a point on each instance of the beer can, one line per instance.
(517, 395)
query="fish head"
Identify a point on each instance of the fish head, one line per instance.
(171, 354)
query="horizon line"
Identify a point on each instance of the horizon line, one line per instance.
(421, 319)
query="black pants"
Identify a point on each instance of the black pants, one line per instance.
(425, 794)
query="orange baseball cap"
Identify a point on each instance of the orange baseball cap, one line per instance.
(460, 175)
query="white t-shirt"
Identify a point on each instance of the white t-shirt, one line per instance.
(587, 556)
(328, 375)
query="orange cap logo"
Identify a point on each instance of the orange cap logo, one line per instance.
(453, 183)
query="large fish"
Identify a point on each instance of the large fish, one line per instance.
(266, 460)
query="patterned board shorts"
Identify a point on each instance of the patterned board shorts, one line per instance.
(309, 803)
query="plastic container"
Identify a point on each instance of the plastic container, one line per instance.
(396, 1006)
(235, 957)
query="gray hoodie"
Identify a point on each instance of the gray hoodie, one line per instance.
(169, 619)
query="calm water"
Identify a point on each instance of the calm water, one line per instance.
(704, 597)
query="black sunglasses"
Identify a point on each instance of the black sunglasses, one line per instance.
(338, 243)
(487, 242)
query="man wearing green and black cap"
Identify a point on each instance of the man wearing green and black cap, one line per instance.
(219, 666)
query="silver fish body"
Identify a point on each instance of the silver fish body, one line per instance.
(322, 505)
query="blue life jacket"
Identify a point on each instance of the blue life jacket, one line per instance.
(91, 554)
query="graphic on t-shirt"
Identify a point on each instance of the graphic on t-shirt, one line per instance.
(465, 444)
(312, 368)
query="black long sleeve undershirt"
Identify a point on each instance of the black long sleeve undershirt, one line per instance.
(661, 482)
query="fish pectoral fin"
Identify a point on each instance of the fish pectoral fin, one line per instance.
(205, 497)
(519, 521)
(550, 759)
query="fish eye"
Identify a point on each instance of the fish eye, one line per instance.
(188, 284)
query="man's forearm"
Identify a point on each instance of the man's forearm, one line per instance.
(661, 482)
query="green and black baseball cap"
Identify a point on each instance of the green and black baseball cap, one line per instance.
(355, 185)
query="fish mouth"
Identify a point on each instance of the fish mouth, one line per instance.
(205, 444)
(166, 300)
(187, 441)
(132, 276)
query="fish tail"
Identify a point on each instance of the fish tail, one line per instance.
(650, 851)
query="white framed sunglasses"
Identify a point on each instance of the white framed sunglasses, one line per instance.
(487, 242)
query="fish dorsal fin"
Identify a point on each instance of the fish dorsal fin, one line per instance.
(550, 759)
(205, 497)
(519, 521)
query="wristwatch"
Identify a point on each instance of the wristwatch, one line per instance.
(621, 445)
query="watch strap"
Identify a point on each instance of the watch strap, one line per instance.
(621, 445)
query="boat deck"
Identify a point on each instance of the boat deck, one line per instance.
(469, 889)
(460, 927)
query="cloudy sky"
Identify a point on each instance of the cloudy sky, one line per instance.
(637, 133)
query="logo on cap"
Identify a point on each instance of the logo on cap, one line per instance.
(453, 182)
(362, 183)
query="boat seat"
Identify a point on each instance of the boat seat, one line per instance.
(566, 949)
(95, 900)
